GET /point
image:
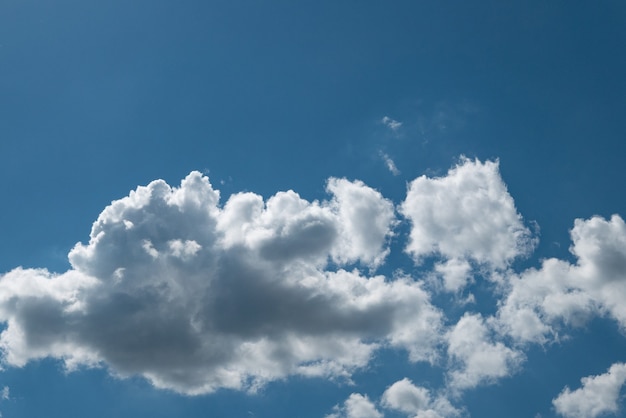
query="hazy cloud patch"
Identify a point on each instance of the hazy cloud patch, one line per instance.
(389, 163)
(392, 124)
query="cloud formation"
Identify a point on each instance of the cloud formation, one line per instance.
(194, 296)
(401, 397)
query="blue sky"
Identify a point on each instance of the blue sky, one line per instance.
(452, 245)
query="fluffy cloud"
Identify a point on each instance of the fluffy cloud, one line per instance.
(416, 401)
(476, 358)
(195, 296)
(561, 292)
(466, 215)
(598, 395)
(356, 406)
(402, 396)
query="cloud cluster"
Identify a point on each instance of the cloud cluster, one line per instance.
(403, 397)
(195, 296)
(560, 292)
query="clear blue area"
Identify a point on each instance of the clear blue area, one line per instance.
(99, 97)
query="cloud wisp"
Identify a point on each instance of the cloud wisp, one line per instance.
(389, 163)
(390, 123)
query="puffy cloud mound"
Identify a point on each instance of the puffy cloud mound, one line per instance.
(598, 395)
(466, 215)
(570, 293)
(477, 359)
(416, 401)
(356, 406)
(196, 296)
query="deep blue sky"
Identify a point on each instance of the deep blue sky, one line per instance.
(263, 96)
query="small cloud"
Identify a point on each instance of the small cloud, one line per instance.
(4, 394)
(356, 406)
(598, 395)
(392, 124)
(391, 166)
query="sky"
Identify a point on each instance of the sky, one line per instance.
(312, 209)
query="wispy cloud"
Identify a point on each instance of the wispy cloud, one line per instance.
(392, 124)
(391, 165)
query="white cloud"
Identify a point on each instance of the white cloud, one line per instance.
(416, 401)
(4, 394)
(466, 215)
(394, 125)
(598, 395)
(356, 406)
(476, 358)
(455, 272)
(539, 299)
(365, 220)
(391, 165)
(195, 297)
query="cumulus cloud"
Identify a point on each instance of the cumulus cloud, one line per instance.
(402, 396)
(455, 273)
(4, 394)
(356, 406)
(562, 292)
(394, 125)
(416, 401)
(598, 395)
(467, 215)
(195, 296)
(476, 357)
